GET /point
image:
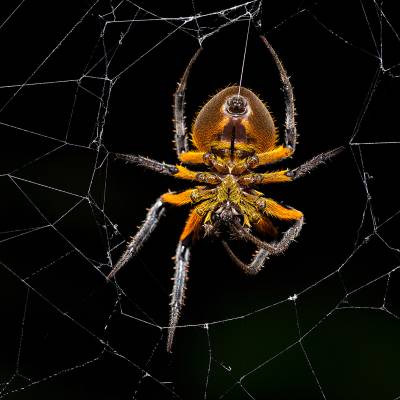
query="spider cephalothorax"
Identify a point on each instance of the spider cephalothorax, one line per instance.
(233, 135)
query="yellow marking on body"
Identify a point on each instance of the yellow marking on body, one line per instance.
(229, 190)
(226, 145)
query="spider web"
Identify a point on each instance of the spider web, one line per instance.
(82, 81)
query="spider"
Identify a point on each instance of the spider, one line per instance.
(233, 134)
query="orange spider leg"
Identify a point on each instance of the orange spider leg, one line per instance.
(178, 199)
(202, 157)
(193, 225)
(274, 209)
(268, 177)
(275, 177)
(192, 157)
(204, 177)
(265, 226)
(184, 173)
(272, 156)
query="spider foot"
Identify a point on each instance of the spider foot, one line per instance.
(173, 321)
(182, 258)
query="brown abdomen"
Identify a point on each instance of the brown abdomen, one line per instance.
(213, 124)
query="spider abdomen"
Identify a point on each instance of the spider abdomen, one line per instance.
(233, 118)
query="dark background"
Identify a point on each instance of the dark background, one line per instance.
(67, 207)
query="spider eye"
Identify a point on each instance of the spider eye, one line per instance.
(236, 105)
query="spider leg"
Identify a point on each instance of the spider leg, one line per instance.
(177, 171)
(148, 163)
(288, 175)
(275, 247)
(256, 263)
(264, 178)
(272, 156)
(153, 217)
(192, 157)
(182, 258)
(290, 122)
(181, 139)
(313, 163)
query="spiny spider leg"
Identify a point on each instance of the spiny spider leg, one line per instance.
(157, 166)
(290, 122)
(273, 248)
(182, 258)
(179, 171)
(313, 163)
(256, 263)
(152, 218)
(181, 139)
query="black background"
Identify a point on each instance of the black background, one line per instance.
(57, 311)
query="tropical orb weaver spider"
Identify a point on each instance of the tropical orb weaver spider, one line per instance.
(233, 134)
